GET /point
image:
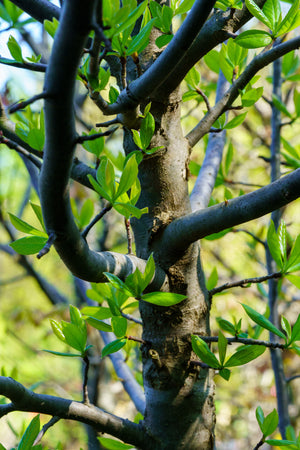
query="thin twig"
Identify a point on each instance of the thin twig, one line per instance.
(21, 105)
(108, 123)
(260, 443)
(243, 183)
(245, 341)
(14, 146)
(85, 393)
(136, 339)
(46, 427)
(129, 235)
(47, 246)
(123, 72)
(133, 319)
(205, 98)
(244, 283)
(35, 67)
(92, 137)
(237, 230)
(294, 377)
(200, 364)
(95, 220)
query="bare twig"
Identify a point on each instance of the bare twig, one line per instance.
(133, 319)
(243, 283)
(85, 393)
(46, 427)
(95, 220)
(129, 235)
(47, 246)
(23, 104)
(245, 341)
(35, 67)
(237, 230)
(294, 377)
(92, 137)
(108, 123)
(205, 98)
(14, 146)
(136, 339)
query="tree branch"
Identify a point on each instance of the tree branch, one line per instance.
(35, 67)
(206, 178)
(243, 283)
(25, 400)
(75, 25)
(22, 104)
(245, 341)
(187, 229)
(257, 63)
(166, 63)
(38, 9)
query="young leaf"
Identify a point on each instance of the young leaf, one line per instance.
(112, 444)
(141, 40)
(97, 312)
(147, 130)
(245, 355)
(286, 327)
(253, 39)
(272, 11)
(119, 326)
(258, 13)
(98, 324)
(222, 345)
(212, 279)
(262, 321)
(38, 212)
(295, 336)
(204, 353)
(113, 347)
(128, 176)
(225, 373)
(57, 330)
(270, 423)
(226, 326)
(273, 244)
(236, 121)
(29, 245)
(288, 22)
(260, 417)
(75, 336)
(163, 298)
(149, 271)
(294, 258)
(30, 434)
(117, 283)
(14, 49)
(282, 240)
(25, 227)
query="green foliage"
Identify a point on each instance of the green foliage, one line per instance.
(30, 435)
(112, 444)
(267, 424)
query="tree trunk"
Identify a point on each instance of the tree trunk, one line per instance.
(179, 398)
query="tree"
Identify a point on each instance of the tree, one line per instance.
(134, 43)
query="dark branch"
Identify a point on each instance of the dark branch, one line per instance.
(35, 67)
(257, 63)
(25, 400)
(244, 283)
(188, 229)
(95, 220)
(92, 137)
(21, 105)
(38, 9)
(245, 341)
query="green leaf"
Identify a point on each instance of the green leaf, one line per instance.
(192, 78)
(131, 18)
(30, 434)
(222, 346)
(262, 321)
(184, 6)
(149, 271)
(282, 240)
(141, 40)
(211, 59)
(295, 336)
(260, 417)
(99, 189)
(86, 213)
(38, 212)
(236, 121)
(163, 298)
(294, 258)
(127, 210)
(75, 336)
(250, 97)
(57, 330)
(253, 39)
(226, 326)
(280, 106)
(282, 443)
(147, 130)
(51, 26)
(98, 324)
(119, 325)
(113, 94)
(295, 280)
(29, 245)
(288, 22)
(70, 355)
(128, 176)
(212, 279)
(14, 49)
(112, 444)
(113, 347)
(272, 11)
(258, 13)
(95, 146)
(286, 327)
(99, 313)
(25, 227)
(225, 373)
(117, 283)
(202, 350)
(163, 40)
(274, 246)
(270, 423)
(245, 355)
